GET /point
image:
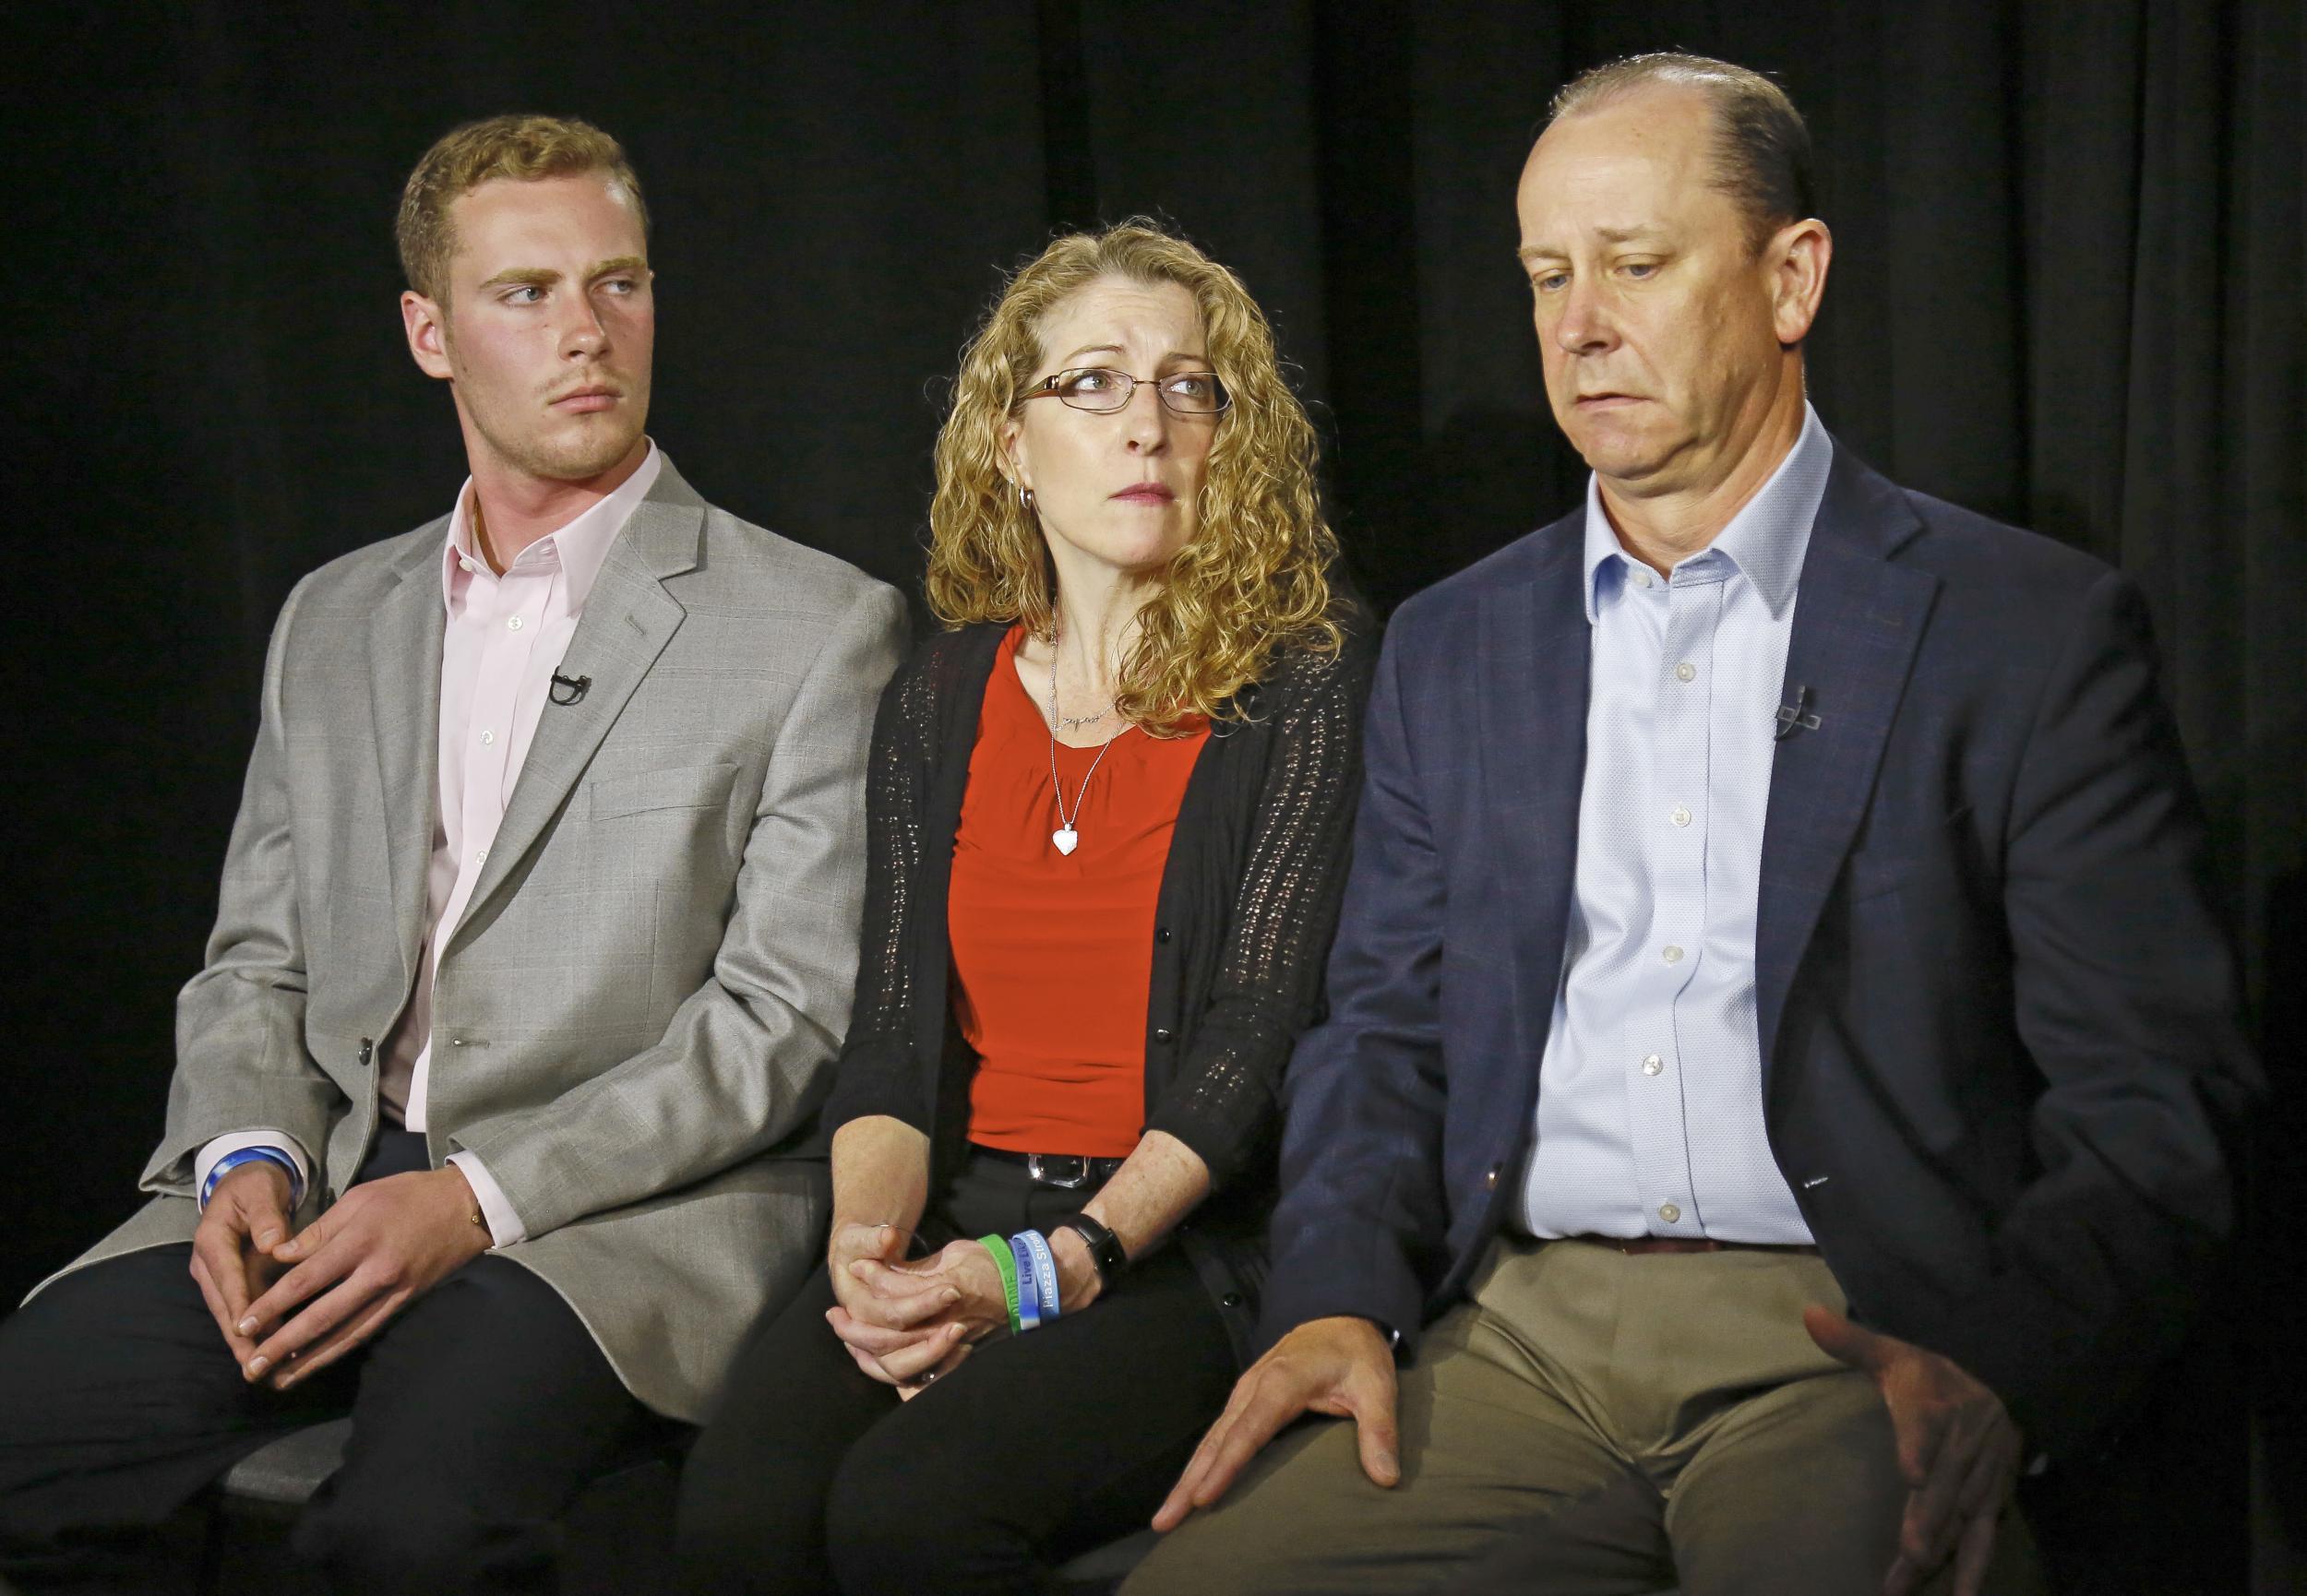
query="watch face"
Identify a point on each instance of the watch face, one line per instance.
(1105, 1247)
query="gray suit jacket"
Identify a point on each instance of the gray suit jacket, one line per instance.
(636, 1018)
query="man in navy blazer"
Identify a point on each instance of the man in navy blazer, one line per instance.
(1778, 1035)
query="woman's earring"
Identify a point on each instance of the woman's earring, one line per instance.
(1025, 499)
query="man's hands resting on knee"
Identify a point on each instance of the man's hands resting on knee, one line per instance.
(1957, 1450)
(1340, 1366)
(382, 1245)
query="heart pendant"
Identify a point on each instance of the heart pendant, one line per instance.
(1066, 839)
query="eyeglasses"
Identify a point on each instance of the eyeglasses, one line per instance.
(1104, 390)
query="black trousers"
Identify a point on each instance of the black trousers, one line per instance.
(478, 1413)
(813, 1476)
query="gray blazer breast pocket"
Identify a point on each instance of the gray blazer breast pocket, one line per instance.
(645, 791)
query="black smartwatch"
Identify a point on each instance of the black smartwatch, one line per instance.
(1105, 1253)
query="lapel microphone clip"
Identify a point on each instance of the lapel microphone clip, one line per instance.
(1792, 717)
(567, 690)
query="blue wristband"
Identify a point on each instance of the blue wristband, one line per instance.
(239, 1156)
(1045, 1271)
(1028, 1288)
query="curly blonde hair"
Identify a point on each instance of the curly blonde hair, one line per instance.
(1252, 579)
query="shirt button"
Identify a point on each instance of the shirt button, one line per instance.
(1642, 575)
(1671, 953)
(1686, 672)
(1161, 1033)
(1670, 1212)
(1489, 1179)
(1161, 934)
(1653, 1064)
(514, 626)
(468, 564)
(489, 738)
(1680, 816)
(482, 858)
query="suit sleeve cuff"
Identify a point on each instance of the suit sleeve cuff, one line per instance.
(234, 1141)
(505, 1226)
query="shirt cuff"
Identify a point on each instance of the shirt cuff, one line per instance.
(279, 1140)
(505, 1226)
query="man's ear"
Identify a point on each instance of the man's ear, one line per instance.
(1798, 257)
(426, 324)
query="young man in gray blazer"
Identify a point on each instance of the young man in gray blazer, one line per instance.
(537, 933)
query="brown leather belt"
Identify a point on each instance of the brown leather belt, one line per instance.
(1636, 1246)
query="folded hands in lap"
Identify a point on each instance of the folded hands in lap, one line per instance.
(906, 1323)
(288, 1305)
(232, 1251)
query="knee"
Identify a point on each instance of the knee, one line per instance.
(895, 1521)
(421, 1542)
(724, 1545)
(734, 1530)
(872, 1521)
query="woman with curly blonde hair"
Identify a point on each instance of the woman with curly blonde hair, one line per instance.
(1108, 810)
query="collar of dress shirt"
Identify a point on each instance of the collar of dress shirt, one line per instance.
(579, 547)
(1766, 540)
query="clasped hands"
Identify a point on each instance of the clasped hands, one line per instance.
(1958, 1449)
(906, 1323)
(289, 1304)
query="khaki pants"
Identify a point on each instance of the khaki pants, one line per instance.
(1591, 1425)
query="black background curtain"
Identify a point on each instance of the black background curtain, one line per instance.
(2069, 253)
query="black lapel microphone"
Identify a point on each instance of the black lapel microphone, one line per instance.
(1792, 716)
(567, 690)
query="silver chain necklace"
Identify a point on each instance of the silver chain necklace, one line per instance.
(1064, 836)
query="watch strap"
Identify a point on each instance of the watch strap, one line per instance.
(1105, 1247)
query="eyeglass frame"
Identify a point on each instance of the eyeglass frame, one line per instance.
(1048, 389)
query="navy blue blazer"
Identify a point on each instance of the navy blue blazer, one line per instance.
(2001, 1029)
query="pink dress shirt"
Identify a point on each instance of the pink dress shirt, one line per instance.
(506, 633)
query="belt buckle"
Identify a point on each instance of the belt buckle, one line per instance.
(1038, 1165)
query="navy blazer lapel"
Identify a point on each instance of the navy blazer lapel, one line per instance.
(1533, 656)
(1857, 620)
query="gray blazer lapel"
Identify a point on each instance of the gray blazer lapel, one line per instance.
(1857, 620)
(628, 619)
(405, 644)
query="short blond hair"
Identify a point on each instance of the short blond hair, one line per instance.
(525, 148)
(1252, 579)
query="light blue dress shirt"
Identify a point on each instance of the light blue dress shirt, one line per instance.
(1650, 1094)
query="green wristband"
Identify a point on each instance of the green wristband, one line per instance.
(1005, 1261)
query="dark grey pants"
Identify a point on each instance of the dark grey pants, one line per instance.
(478, 1414)
(813, 1477)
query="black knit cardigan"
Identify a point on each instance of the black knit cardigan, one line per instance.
(1247, 904)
